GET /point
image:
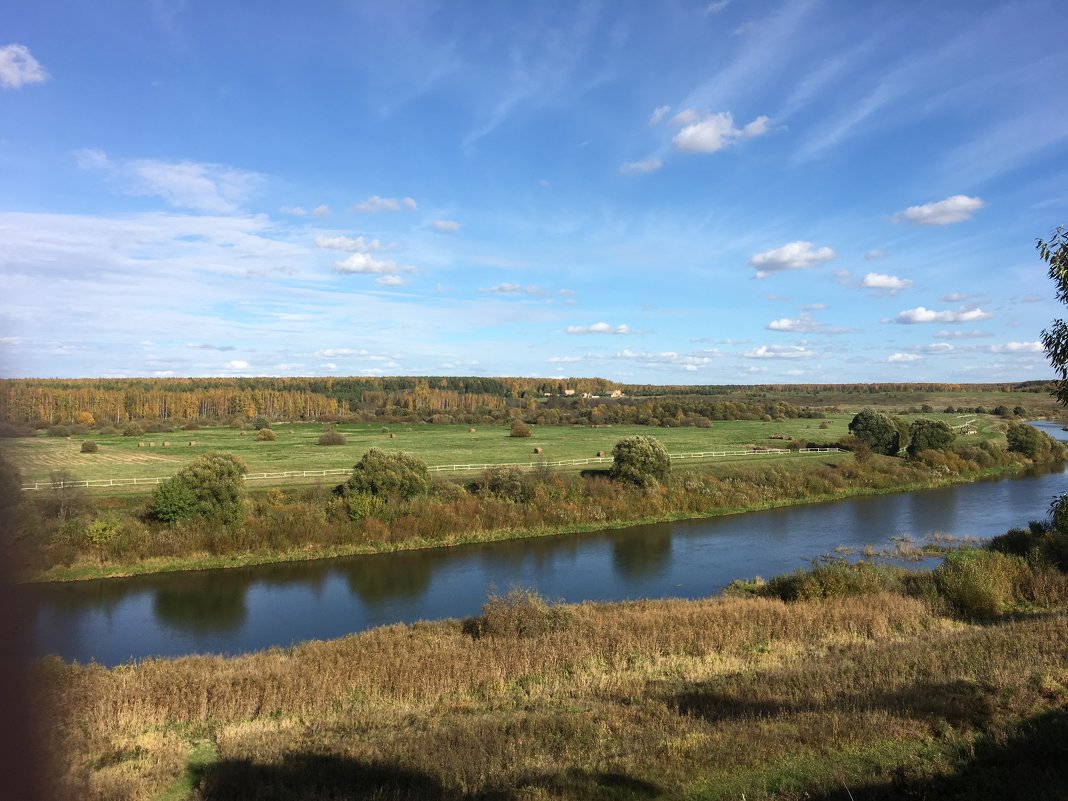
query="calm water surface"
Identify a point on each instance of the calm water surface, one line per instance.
(245, 609)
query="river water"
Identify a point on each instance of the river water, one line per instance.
(245, 609)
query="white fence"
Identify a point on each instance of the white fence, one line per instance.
(437, 468)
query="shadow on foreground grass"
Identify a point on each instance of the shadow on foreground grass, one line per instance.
(310, 776)
(1030, 764)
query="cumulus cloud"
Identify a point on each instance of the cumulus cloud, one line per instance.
(804, 324)
(321, 211)
(211, 188)
(446, 226)
(658, 114)
(375, 203)
(365, 264)
(885, 283)
(564, 359)
(637, 167)
(299, 211)
(792, 256)
(18, 67)
(349, 244)
(597, 328)
(903, 358)
(779, 352)
(961, 335)
(690, 362)
(707, 132)
(333, 353)
(1018, 347)
(955, 209)
(922, 315)
(236, 364)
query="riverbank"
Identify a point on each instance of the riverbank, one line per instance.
(878, 476)
(877, 684)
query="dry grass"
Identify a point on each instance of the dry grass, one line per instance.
(714, 698)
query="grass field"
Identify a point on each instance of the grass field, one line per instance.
(295, 447)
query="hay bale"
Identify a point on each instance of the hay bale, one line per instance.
(165, 443)
(392, 436)
(152, 444)
(601, 454)
(192, 442)
(140, 444)
(470, 431)
(537, 450)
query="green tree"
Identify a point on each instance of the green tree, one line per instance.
(640, 460)
(877, 431)
(929, 435)
(1055, 338)
(382, 473)
(212, 487)
(1027, 440)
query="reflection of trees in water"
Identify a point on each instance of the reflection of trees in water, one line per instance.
(211, 602)
(400, 577)
(287, 575)
(642, 553)
(75, 597)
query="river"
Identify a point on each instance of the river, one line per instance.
(245, 609)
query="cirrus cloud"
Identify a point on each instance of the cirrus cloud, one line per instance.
(597, 328)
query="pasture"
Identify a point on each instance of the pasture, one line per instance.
(296, 448)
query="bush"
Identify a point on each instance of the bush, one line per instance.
(382, 473)
(832, 578)
(640, 460)
(261, 423)
(11, 430)
(522, 613)
(212, 487)
(332, 437)
(266, 435)
(508, 483)
(89, 446)
(977, 584)
(59, 431)
(520, 429)
(877, 431)
(133, 430)
(929, 435)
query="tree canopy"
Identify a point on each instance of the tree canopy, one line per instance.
(388, 473)
(925, 435)
(640, 460)
(877, 431)
(212, 487)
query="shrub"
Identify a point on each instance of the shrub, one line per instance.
(237, 423)
(832, 578)
(520, 429)
(11, 430)
(265, 435)
(521, 613)
(640, 460)
(332, 437)
(211, 487)
(1024, 439)
(59, 431)
(84, 419)
(133, 430)
(925, 435)
(877, 431)
(261, 423)
(508, 483)
(89, 446)
(191, 426)
(382, 473)
(978, 584)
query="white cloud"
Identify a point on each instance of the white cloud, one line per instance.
(236, 364)
(922, 315)
(211, 188)
(206, 346)
(804, 324)
(350, 245)
(716, 6)
(597, 328)
(564, 359)
(1018, 347)
(872, 255)
(792, 256)
(961, 335)
(365, 264)
(333, 353)
(903, 358)
(514, 289)
(885, 283)
(390, 280)
(636, 167)
(328, 366)
(375, 203)
(293, 211)
(955, 209)
(707, 133)
(446, 226)
(321, 211)
(690, 362)
(18, 67)
(779, 352)
(658, 114)
(956, 297)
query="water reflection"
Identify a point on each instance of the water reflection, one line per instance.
(396, 577)
(205, 603)
(643, 552)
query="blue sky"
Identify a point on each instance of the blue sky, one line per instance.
(663, 192)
